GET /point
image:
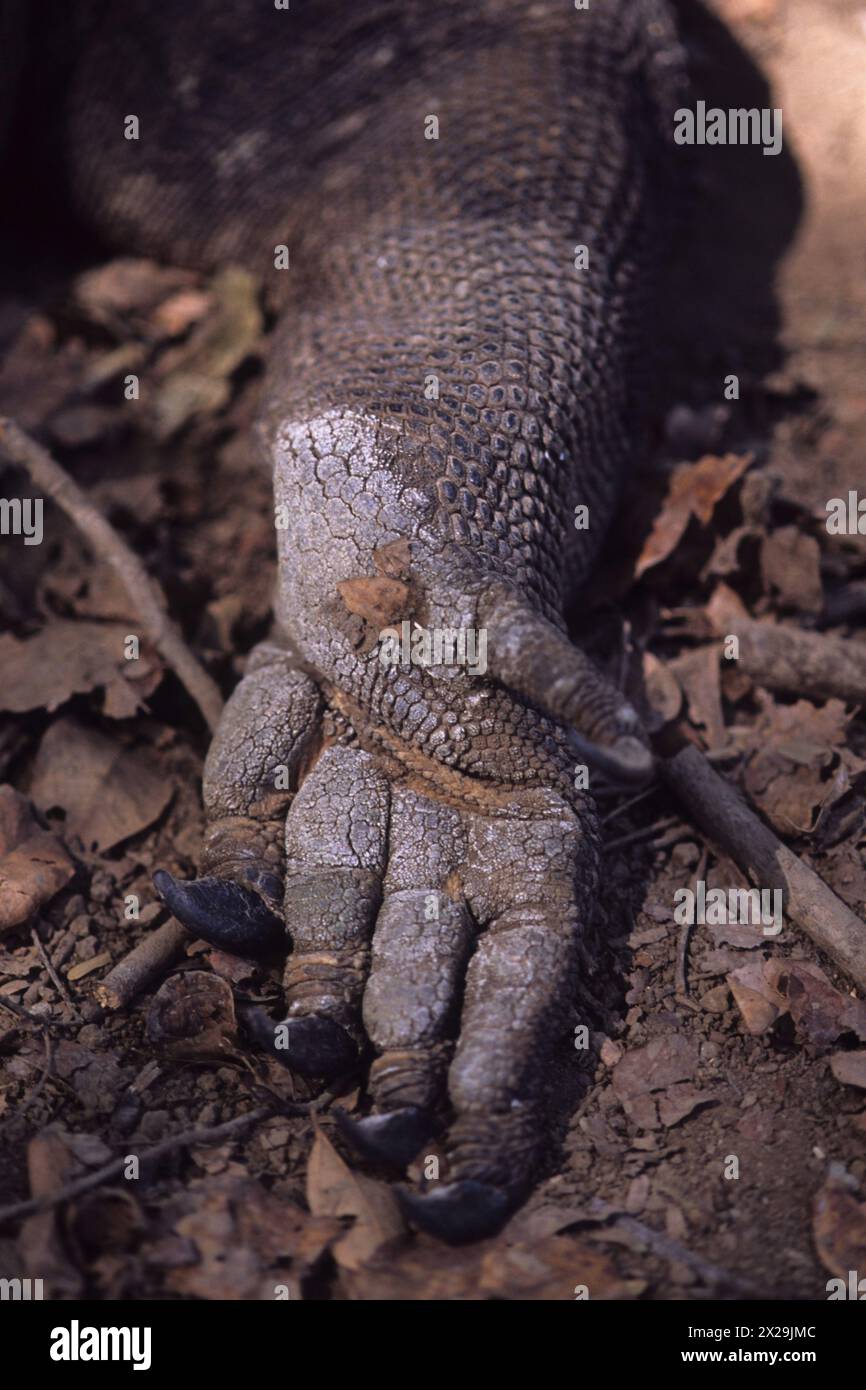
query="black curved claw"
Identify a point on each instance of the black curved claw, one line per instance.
(627, 762)
(458, 1212)
(311, 1046)
(393, 1138)
(223, 912)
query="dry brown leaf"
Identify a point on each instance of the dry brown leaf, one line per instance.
(695, 489)
(50, 1164)
(697, 672)
(660, 1063)
(378, 600)
(745, 936)
(839, 1228)
(335, 1190)
(95, 1077)
(74, 658)
(550, 1267)
(33, 863)
(78, 425)
(195, 376)
(679, 1101)
(660, 1066)
(756, 997)
(128, 288)
(393, 559)
(417, 1273)
(820, 1012)
(791, 569)
(766, 989)
(229, 967)
(108, 791)
(725, 609)
(663, 692)
(86, 967)
(562, 1267)
(37, 375)
(849, 1068)
(176, 315)
(245, 1243)
(793, 750)
(733, 554)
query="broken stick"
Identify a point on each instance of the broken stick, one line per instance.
(145, 963)
(713, 1276)
(720, 811)
(145, 594)
(807, 663)
(190, 1138)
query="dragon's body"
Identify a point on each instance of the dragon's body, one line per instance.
(469, 198)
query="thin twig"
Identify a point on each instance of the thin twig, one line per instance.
(190, 1138)
(146, 596)
(59, 984)
(711, 1275)
(19, 1010)
(46, 1072)
(633, 801)
(634, 837)
(783, 657)
(36, 1020)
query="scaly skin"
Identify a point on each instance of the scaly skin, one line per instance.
(418, 829)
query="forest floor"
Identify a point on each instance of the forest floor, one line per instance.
(710, 1141)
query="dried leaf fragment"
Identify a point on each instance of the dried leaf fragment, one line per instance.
(73, 658)
(379, 600)
(839, 1228)
(33, 863)
(849, 1068)
(695, 490)
(334, 1189)
(108, 791)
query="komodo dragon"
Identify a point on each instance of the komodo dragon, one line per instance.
(470, 200)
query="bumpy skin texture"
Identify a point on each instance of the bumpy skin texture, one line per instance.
(434, 834)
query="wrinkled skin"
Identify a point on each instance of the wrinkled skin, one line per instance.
(415, 832)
